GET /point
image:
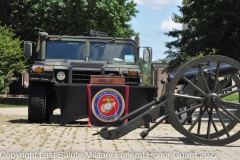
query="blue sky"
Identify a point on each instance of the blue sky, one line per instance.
(152, 21)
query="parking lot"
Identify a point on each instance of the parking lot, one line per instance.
(21, 140)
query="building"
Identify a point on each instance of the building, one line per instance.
(158, 75)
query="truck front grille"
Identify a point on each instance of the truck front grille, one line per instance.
(83, 76)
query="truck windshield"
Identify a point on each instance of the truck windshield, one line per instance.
(98, 51)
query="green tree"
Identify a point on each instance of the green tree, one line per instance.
(213, 28)
(10, 58)
(68, 16)
(146, 69)
(146, 80)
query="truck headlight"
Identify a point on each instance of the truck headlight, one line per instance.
(125, 73)
(61, 75)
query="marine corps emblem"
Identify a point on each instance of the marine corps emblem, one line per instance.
(108, 105)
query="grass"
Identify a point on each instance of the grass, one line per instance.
(232, 97)
(11, 106)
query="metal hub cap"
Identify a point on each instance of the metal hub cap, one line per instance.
(212, 100)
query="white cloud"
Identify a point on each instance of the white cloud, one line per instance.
(156, 8)
(158, 4)
(169, 25)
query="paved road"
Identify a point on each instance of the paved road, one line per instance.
(21, 140)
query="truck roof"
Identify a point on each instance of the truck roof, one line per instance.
(53, 37)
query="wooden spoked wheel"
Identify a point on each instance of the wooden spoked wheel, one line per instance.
(207, 89)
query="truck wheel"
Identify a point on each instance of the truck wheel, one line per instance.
(37, 103)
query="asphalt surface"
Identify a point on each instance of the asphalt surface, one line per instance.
(21, 140)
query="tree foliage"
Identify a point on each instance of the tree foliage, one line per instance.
(10, 57)
(146, 69)
(213, 28)
(68, 16)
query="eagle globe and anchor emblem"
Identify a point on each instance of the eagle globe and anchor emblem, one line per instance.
(108, 105)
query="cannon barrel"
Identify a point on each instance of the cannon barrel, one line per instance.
(224, 69)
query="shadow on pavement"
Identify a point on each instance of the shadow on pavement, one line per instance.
(71, 124)
(18, 121)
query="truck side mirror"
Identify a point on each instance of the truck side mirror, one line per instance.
(27, 49)
(147, 54)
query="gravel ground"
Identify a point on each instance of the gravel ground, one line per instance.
(14, 111)
(18, 111)
(21, 140)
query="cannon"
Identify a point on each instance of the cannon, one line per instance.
(202, 89)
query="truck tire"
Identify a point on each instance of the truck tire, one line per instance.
(37, 103)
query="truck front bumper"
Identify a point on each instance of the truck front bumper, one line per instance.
(75, 100)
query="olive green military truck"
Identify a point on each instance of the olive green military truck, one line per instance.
(87, 75)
